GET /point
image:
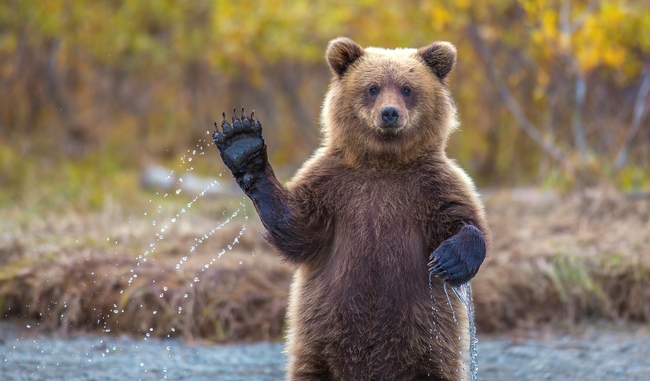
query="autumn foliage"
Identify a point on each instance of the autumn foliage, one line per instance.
(547, 90)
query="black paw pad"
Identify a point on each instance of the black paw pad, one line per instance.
(240, 141)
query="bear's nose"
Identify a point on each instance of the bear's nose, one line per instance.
(389, 116)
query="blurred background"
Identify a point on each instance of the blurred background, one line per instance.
(550, 93)
(554, 103)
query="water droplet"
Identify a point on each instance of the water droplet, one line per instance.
(178, 191)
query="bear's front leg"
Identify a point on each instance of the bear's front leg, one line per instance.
(243, 149)
(458, 258)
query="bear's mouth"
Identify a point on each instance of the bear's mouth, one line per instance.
(389, 132)
(390, 126)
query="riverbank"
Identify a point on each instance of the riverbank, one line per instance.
(592, 352)
(201, 270)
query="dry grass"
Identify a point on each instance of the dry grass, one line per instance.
(565, 259)
(118, 273)
(558, 259)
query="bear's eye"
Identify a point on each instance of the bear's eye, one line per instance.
(406, 91)
(373, 90)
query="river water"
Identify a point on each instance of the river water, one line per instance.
(594, 354)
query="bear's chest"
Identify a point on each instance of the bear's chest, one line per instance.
(376, 210)
(379, 241)
(370, 191)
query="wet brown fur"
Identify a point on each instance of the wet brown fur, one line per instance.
(375, 205)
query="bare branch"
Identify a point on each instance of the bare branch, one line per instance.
(638, 114)
(520, 116)
(53, 80)
(581, 83)
(582, 18)
(564, 18)
(578, 131)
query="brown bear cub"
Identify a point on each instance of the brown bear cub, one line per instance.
(376, 221)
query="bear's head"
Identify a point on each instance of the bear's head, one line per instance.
(389, 104)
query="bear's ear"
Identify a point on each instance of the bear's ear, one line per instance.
(341, 53)
(440, 57)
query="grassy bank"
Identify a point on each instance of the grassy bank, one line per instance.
(565, 259)
(204, 272)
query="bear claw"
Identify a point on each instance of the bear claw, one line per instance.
(218, 137)
(240, 142)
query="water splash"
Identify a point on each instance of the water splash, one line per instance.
(434, 332)
(202, 239)
(176, 184)
(464, 293)
(179, 188)
(451, 306)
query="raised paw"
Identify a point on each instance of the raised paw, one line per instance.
(458, 258)
(241, 144)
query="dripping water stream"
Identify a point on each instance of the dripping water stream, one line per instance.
(464, 293)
